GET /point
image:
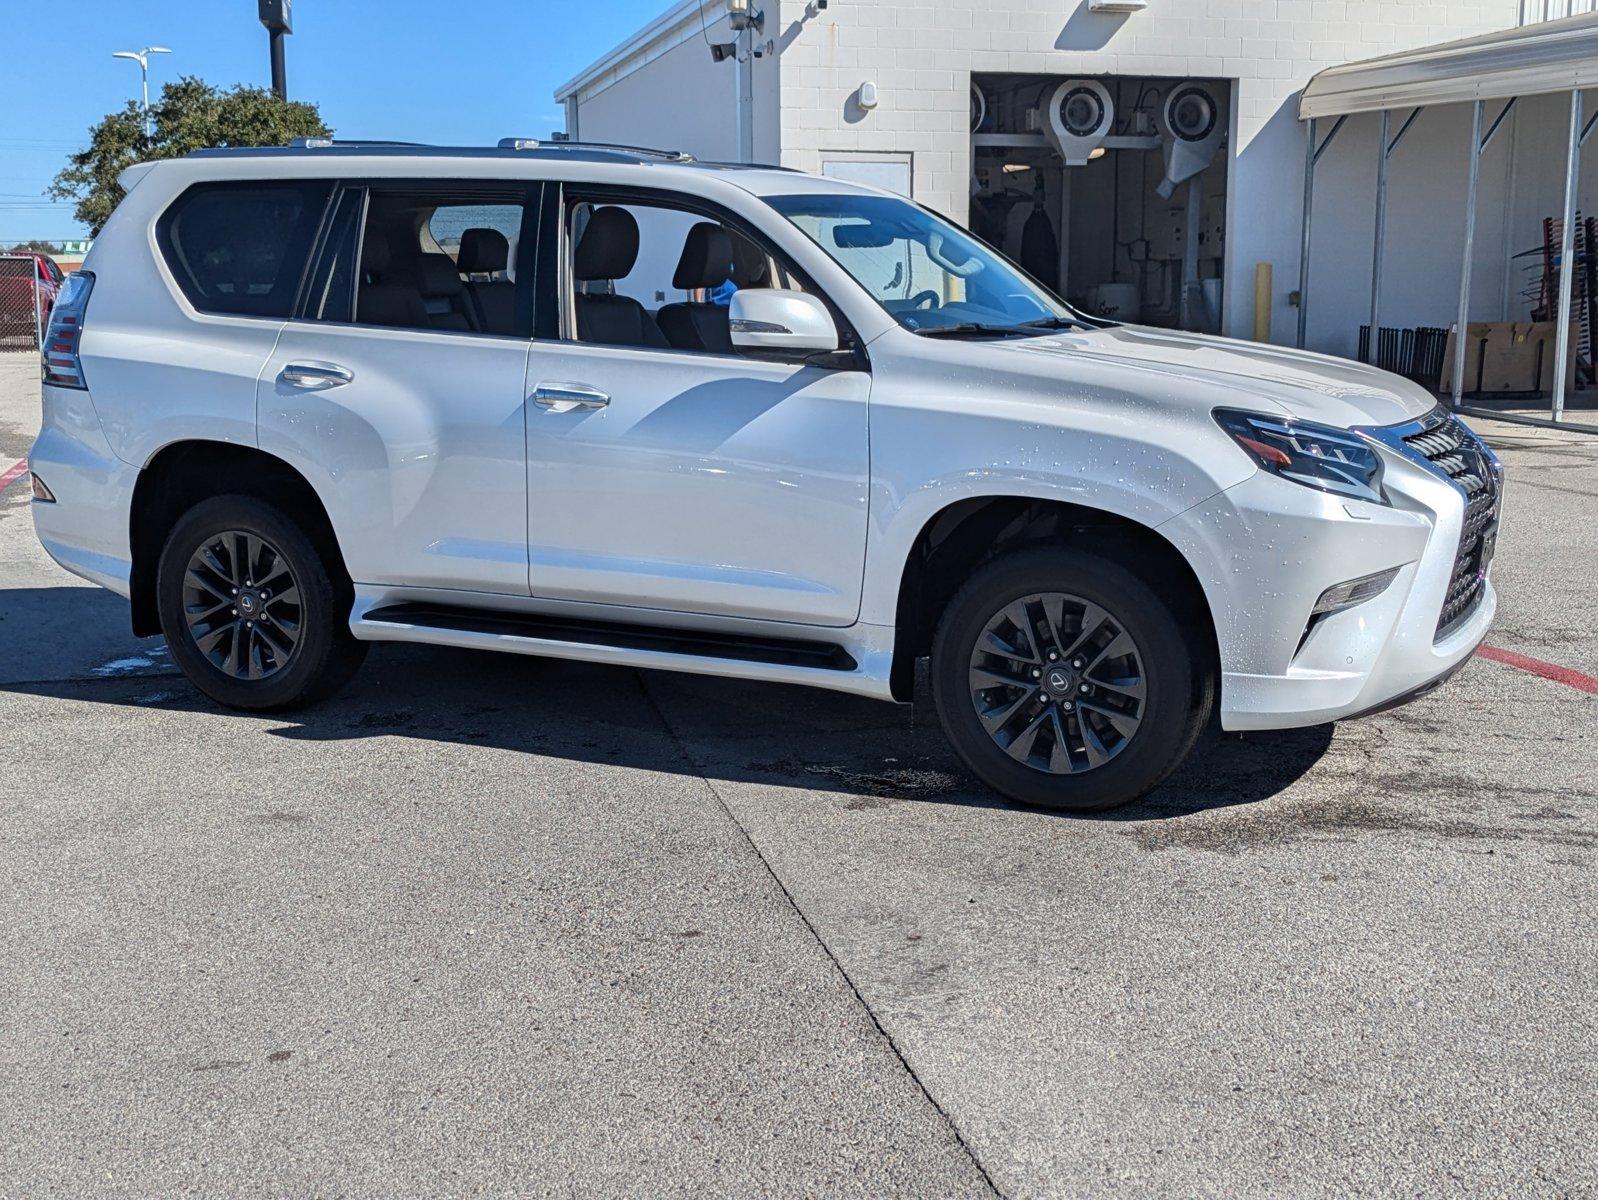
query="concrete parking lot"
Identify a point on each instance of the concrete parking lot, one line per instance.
(492, 924)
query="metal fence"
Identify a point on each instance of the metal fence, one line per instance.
(20, 300)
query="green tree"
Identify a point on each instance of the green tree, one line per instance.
(35, 245)
(190, 115)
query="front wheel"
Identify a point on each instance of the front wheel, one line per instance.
(251, 612)
(1064, 680)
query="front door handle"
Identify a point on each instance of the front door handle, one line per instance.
(316, 375)
(568, 397)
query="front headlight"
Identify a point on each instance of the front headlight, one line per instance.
(1317, 456)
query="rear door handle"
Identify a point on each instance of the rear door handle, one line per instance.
(568, 397)
(316, 375)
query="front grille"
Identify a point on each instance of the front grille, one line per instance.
(1453, 451)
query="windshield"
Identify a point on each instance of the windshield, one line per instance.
(932, 276)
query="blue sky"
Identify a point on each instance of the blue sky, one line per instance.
(472, 72)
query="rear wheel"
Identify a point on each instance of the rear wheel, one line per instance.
(1065, 681)
(251, 612)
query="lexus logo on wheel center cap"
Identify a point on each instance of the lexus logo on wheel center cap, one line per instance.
(1059, 681)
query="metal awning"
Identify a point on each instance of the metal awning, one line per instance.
(1497, 69)
(1551, 56)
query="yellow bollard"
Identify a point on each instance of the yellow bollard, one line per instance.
(1262, 302)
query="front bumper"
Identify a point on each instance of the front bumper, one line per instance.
(1266, 549)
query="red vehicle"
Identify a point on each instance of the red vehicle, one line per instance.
(49, 284)
(31, 281)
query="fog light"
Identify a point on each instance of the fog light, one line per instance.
(1355, 591)
(41, 493)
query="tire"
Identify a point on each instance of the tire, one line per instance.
(257, 650)
(1140, 732)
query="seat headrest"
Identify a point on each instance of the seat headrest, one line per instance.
(437, 276)
(749, 264)
(483, 252)
(609, 246)
(706, 260)
(375, 255)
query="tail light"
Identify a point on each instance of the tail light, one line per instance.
(62, 366)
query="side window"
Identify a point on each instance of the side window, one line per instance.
(241, 248)
(447, 230)
(657, 276)
(427, 257)
(662, 233)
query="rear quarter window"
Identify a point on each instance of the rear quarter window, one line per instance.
(241, 248)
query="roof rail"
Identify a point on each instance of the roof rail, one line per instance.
(322, 143)
(514, 143)
(507, 147)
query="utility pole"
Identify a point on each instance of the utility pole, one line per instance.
(142, 57)
(275, 16)
(748, 24)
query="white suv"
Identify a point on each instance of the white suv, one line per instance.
(616, 405)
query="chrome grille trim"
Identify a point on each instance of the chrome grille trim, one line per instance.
(1441, 442)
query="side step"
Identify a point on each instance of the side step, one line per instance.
(557, 632)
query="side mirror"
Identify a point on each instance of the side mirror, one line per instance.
(777, 319)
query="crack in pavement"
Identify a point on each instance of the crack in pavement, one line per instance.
(893, 1046)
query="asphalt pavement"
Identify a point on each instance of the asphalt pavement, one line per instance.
(503, 925)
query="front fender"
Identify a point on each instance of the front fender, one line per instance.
(934, 448)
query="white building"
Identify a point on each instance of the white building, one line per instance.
(891, 91)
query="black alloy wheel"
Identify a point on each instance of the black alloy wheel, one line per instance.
(255, 605)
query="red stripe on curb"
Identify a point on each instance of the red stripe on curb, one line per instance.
(14, 474)
(1548, 670)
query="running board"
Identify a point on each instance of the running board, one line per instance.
(560, 636)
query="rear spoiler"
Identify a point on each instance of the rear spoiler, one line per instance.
(130, 176)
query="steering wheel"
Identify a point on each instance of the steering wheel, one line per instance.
(926, 299)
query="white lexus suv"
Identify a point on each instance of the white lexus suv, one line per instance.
(616, 405)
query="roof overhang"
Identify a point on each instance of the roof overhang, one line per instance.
(1551, 56)
(671, 28)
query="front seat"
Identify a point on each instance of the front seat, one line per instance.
(607, 251)
(706, 263)
(750, 266)
(486, 252)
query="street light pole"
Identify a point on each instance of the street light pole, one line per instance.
(275, 15)
(142, 57)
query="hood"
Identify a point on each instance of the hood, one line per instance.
(1296, 383)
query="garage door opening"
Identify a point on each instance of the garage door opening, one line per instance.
(1110, 190)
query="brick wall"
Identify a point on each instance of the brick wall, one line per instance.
(921, 56)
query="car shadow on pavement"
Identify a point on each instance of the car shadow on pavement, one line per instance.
(871, 754)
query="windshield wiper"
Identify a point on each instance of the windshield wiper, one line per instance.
(1055, 323)
(971, 329)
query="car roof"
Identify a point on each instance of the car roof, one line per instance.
(664, 167)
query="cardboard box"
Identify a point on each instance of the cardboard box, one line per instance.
(1508, 357)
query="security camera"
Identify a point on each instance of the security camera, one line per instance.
(722, 51)
(1192, 124)
(1078, 117)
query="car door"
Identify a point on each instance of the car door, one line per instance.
(395, 401)
(687, 480)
